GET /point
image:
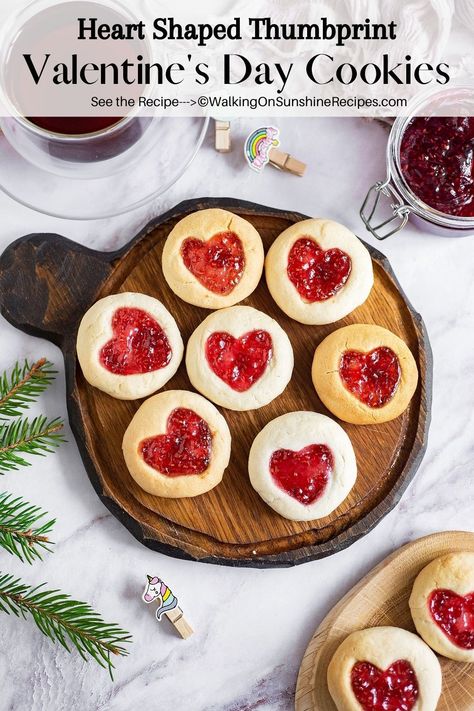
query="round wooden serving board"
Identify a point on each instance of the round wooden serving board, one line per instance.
(46, 285)
(379, 599)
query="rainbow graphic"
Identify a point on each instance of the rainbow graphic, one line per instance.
(258, 145)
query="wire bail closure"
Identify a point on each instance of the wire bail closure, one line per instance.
(400, 211)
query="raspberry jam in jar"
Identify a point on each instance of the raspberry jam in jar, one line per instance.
(437, 162)
(430, 169)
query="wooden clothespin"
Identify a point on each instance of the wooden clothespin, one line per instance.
(222, 140)
(283, 161)
(157, 591)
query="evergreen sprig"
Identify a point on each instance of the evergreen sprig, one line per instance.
(64, 620)
(23, 385)
(72, 623)
(23, 436)
(18, 535)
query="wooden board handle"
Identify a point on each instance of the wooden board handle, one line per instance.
(47, 280)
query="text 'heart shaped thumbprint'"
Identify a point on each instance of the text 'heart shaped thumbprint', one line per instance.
(317, 274)
(139, 345)
(304, 475)
(395, 689)
(372, 377)
(454, 614)
(239, 362)
(218, 263)
(184, 449)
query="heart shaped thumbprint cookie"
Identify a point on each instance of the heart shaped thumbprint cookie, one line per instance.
(384, 669)
(213, 258)
(442, 605)
(239, 358)
(177, 445)
(303, 465)
(318, 271)
(128, 345)
(364, 374)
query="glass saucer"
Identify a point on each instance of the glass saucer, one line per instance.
(147, 169)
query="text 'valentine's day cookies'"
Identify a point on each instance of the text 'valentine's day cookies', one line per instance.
(128, 345)
(384, 669)
(177, 445)
(239, 358)
(442, 605)
(364, 374)
(303, 465)
(318, 271)
(213, 258)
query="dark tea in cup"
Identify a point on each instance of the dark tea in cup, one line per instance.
(85, 139)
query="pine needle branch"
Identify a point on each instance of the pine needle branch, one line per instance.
(24, 384)
(24, 436)
(64, 620)
(17, 535)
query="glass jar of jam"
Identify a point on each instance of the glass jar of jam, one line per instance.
(430, 169)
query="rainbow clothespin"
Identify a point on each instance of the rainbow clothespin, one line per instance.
(157, 590)
(261, 148)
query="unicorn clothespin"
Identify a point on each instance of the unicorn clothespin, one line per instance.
(157, 590)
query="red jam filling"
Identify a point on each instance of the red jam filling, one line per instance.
(372, 377)
(317, 274)
(304, 474)
(239, 362)
(217, 264)
(437, 162)
(395, 689)
(455, 615)
(139, 344)
(184, 449)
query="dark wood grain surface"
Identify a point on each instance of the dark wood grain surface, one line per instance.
(47, 283)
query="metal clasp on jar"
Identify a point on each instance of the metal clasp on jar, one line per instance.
(400, 211)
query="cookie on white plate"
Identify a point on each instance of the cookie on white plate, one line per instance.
(303, 465)
(213, 258)
(129, 345)
(239, 358)
(177, 445)
(318, 271)
(442, 605)
(384, 668)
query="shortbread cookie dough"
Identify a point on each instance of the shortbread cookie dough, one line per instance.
(303, 465)
(213, 258)
(128, 345)
(384, 668)
(318, 271)
(364, 374)
(239, 358)
(442, 605)
(177, 445)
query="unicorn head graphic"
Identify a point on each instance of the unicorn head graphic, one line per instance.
(157, 590)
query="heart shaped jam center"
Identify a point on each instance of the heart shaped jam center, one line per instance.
(455, 615)
(395, 689)
(317, 274)
(372, 377)
(218, 263)
(184, 449)
(139, 344)
(304, 474)
(239, 362)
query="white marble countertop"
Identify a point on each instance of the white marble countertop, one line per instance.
(250, 635)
